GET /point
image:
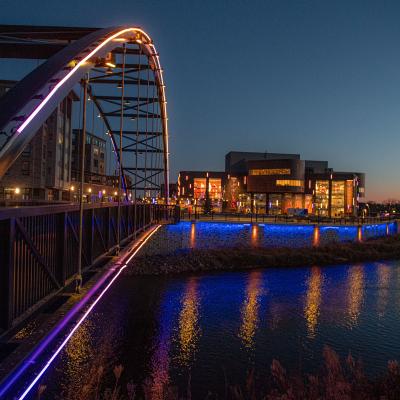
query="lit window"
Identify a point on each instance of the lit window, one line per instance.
(270, 171)
(289, 182)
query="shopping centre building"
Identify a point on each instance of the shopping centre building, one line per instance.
(271, 183)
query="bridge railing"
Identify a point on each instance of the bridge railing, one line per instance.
(285, 219)
(39, 247)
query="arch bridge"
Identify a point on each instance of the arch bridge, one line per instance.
(118, 69)
(117, 74)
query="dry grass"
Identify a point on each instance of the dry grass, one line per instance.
(337, 380)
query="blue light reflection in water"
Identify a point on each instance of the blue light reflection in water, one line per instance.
(165, 330)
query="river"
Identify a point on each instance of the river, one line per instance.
(205, 330)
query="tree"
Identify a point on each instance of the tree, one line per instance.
(207, 206)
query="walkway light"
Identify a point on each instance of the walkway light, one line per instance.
(17, 190)
(104, 191)
(90, 190)
(115, 193)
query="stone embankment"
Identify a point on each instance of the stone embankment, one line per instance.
(225, 259)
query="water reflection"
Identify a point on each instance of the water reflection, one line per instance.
(192, 241)
(316, 236)
(355, 293)
(359, 234)
(160, 361)
(313, 300)
(254, 235)
(78, 360)
(384, 272)
(189, 330)
(250, 309)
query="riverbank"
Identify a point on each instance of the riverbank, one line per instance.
(225, 259)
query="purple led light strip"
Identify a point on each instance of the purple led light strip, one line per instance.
(45, 343)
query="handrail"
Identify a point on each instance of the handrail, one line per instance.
(311, 219)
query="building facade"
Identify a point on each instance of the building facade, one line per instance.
(95, 158)
(43, 170)
(272, 183)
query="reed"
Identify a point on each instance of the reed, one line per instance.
(338, 379)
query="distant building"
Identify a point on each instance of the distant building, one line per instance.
(43, 170)
(274, 183)
(95, 158)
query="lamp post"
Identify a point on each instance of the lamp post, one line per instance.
(78, 279)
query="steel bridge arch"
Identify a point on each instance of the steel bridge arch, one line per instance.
(27, 105)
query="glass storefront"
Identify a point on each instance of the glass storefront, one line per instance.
(337, 199)
(259, 203)
(275, 204)
(308, 203)
(322, 198)
(214, 187)
(199, 188)
(244, 204)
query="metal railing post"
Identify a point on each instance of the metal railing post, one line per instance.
(7, 271)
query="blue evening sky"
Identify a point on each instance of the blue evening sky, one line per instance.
(319, 78)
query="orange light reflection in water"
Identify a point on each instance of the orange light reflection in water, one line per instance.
(78, 362)
(250, 309)
(355, 293)
(192, 236)
(254, 235)
(384, 272)
(313, 300)
(359, 234)
(189, 330)
(316, 236)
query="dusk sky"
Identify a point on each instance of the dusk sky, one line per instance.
(319, 78)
